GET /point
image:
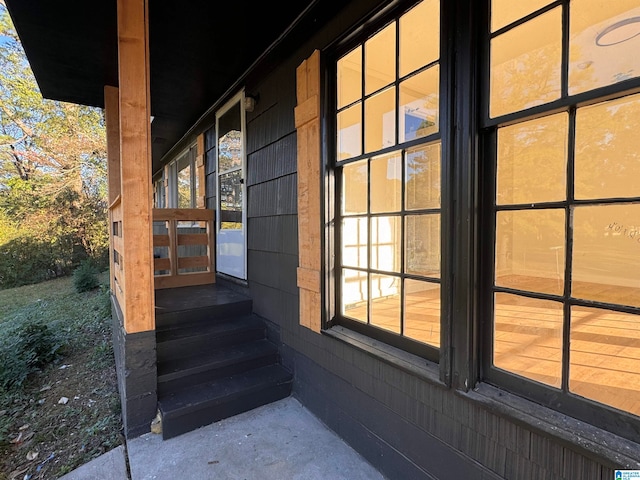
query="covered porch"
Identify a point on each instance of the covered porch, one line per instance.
(155, 88)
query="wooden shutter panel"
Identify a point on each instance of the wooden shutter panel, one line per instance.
(200, 173)
(307, 117)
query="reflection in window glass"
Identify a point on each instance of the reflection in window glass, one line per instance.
(230, 139)
(422, 177)
(385, 302)
(530, 250)
(419, 112)
(388, 91)
(532, 161)
(386, 183)
(231, 200)
(571, 267)
(354, 188)
(419, 36)
(525, 65)
(604, 359)
(504, 12)
(380, 59)
(601, 36)
(380, 127)
(608, 157)
(385, 243)
(606, 254)
(422, 245)
(355, 294)
(349, 83)
(184, 187)
(422, 311)
(349, 126)
(527, 338)
(354, 242)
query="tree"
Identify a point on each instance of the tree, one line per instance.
(52, 171)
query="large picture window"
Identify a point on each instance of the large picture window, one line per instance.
(388, 167)
(562, 119)
(487, 202)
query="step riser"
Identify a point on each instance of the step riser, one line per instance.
(176, 384)
(191, 346)
(170, 320)
(190, 421)
(214, 365)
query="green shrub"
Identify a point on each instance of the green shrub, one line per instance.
(26, 345)
(27, 260)
(85, 277)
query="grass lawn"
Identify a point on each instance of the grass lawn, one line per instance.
(42, 435)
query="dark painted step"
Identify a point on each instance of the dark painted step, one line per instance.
(181, 373)
(187, 305)
(203, 338)
(209, 402)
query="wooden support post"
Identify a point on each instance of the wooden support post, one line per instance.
(112, 121)
(307, 117)
(135, 150)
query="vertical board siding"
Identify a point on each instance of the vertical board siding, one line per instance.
(268, 127)
(274, 160)
(274, 270)
(266, 124)
(210, 161)
(210, 139)
(273, 234)
(276, 197)
(211, 188)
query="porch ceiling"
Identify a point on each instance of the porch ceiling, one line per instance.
(198, 49)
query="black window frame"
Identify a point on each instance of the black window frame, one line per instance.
(468, 168)
(367, 29)
(562, 400)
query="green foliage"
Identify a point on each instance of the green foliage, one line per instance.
(47, 320)
(85, 277)
(84, 428)
(26, 345)
(26, 260)
(53, 206)
(49, 236)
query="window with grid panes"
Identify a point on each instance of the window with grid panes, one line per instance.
(561, 121)
(388, 171)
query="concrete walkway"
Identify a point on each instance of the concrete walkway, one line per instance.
(280, 441)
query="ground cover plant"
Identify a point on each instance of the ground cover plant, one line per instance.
(59, 406)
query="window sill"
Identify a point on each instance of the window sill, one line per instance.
(593, 442)
(407, 362)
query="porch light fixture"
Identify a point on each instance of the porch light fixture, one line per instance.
(250, 103)
(619, 32)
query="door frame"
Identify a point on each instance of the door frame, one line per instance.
(238, 98)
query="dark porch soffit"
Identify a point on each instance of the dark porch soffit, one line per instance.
(198, 49)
